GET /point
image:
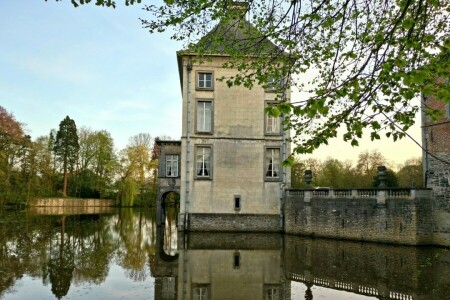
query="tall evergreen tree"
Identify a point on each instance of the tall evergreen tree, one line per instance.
(66, 147)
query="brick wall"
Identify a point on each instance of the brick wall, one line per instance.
(437, 160)
(436, 139)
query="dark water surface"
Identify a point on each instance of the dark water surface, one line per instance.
(122, 254)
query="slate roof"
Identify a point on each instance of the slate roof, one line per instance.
(235, 35)
(229, 35)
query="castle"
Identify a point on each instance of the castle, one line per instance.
(227, 168)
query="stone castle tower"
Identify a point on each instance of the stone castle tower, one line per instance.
(231, 151)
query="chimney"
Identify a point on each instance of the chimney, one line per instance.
(239, 8)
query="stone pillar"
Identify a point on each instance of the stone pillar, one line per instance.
(382, 176)
(381, 195)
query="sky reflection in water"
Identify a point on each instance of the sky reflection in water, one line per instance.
(123, 255)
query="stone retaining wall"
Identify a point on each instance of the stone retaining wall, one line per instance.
(231, 222)
(70, 210)
(399, 221)
(71, 202)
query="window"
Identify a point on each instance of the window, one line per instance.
(272, 163)
(203, 162)
(271, 292)
(271, 85)
(275, 84)
(237, 202)
(200, 292)
(205, 80)
(236, 260)
(272, 124)
(172, 165)
(204, 117)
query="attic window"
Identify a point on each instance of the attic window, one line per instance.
(205, 80)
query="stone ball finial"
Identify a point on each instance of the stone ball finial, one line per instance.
(382, 176)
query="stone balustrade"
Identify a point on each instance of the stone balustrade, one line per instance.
(380, 194)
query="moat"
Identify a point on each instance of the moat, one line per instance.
(123, 254)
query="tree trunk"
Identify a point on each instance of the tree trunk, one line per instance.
(65, 178)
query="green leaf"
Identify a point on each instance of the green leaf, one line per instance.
(408, 23)
(275, 112)
(289, 161)
(374, 136)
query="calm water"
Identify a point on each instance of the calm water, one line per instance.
(123, 255)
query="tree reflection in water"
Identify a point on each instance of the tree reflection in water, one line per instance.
(76, 249)
(75, 255)
(130, 256)
(61, 263)
(171, 209)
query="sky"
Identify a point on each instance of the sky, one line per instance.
(97, 65)
(101, 68)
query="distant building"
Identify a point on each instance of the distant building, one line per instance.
(436, 154)
(230, 166)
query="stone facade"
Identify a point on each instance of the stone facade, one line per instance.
(225, 147)
(169, 170)
(169, 182)
(234, 222)
(399, 220)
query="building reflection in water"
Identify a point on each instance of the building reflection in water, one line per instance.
(71, 252)
(267, 266)
(232, 266)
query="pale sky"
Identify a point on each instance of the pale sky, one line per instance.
(97, 65)
(100, 67)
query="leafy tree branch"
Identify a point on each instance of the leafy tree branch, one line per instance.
(359, 63)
